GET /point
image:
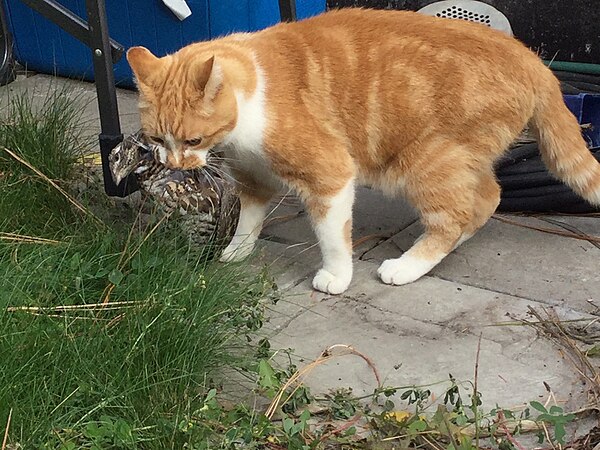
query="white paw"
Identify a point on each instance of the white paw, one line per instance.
(236, 252)
(404, 270)
(329, 283)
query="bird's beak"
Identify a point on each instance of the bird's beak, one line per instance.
(117, 178)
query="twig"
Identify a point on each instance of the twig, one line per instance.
(548, 435)
(431, 444)
(419, 433)
(553, 328)
(115, 320)
(342, 428)
(357, 243)
(502, 423)
(62, 316)
(583, 237)
(451, 435)
(106, 293)
(301, 374)
(476, 393)
(6, 430)
(517, 323)
(570, 228)
(74, 202)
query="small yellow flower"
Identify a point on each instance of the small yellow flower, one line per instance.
(398, 416)
(401, 416)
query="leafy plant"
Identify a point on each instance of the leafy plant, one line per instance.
(556, 417)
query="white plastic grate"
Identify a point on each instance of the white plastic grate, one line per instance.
(471, 10)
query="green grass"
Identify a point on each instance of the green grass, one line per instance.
(50, 135)
(108, 338)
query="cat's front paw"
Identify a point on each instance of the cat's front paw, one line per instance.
(329, 283)
(403, 270)
(236, 252)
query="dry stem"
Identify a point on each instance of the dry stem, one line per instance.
(582, 237)
(6, 430)
(26, 239)
(301, 374)
(74, 202)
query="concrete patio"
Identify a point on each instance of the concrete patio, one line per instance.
(419, 333)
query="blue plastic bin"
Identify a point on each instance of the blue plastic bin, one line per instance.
(42, 46)
(586, 108)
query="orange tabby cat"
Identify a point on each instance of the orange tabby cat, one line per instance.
(400, 101)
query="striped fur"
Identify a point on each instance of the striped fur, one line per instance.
(399, 101)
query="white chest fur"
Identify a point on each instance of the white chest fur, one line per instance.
(243, 146)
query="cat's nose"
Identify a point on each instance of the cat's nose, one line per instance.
(193, 159)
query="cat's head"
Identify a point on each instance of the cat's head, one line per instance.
(186, 104)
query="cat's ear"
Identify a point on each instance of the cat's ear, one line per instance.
(143, 63)
(209, 79)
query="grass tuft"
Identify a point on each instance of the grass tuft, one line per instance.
(109, 335)
(46, 134)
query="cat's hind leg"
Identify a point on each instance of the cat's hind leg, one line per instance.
(452, 211)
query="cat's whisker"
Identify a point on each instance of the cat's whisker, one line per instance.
(283, 197)
(225, 175)
(210, 179)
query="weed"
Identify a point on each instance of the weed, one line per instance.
(555, 417)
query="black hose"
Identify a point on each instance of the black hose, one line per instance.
(577, 77)
(564, 202)
(527, 186)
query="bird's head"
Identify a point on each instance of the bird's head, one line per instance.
(126, 157)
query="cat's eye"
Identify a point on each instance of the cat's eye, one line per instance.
(193, 142)
(157, 140)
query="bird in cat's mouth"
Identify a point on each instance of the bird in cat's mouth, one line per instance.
(206, 203)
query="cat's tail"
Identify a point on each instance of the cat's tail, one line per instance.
(561, 143)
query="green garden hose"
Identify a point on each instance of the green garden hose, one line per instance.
(566, 66)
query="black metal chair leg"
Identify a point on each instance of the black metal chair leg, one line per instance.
(105, 52)
(287, 10)
(111, 135)
(7, 66)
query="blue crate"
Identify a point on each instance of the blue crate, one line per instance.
(586, 108)
(42, 46)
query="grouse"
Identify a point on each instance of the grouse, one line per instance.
(202, 202)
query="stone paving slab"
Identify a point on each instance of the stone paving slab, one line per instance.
(506, 258)
(420, 333)
(375, 215)
(37, 87)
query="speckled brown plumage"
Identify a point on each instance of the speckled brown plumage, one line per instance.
(201, 202)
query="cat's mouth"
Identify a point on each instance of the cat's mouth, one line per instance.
(187, 160)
